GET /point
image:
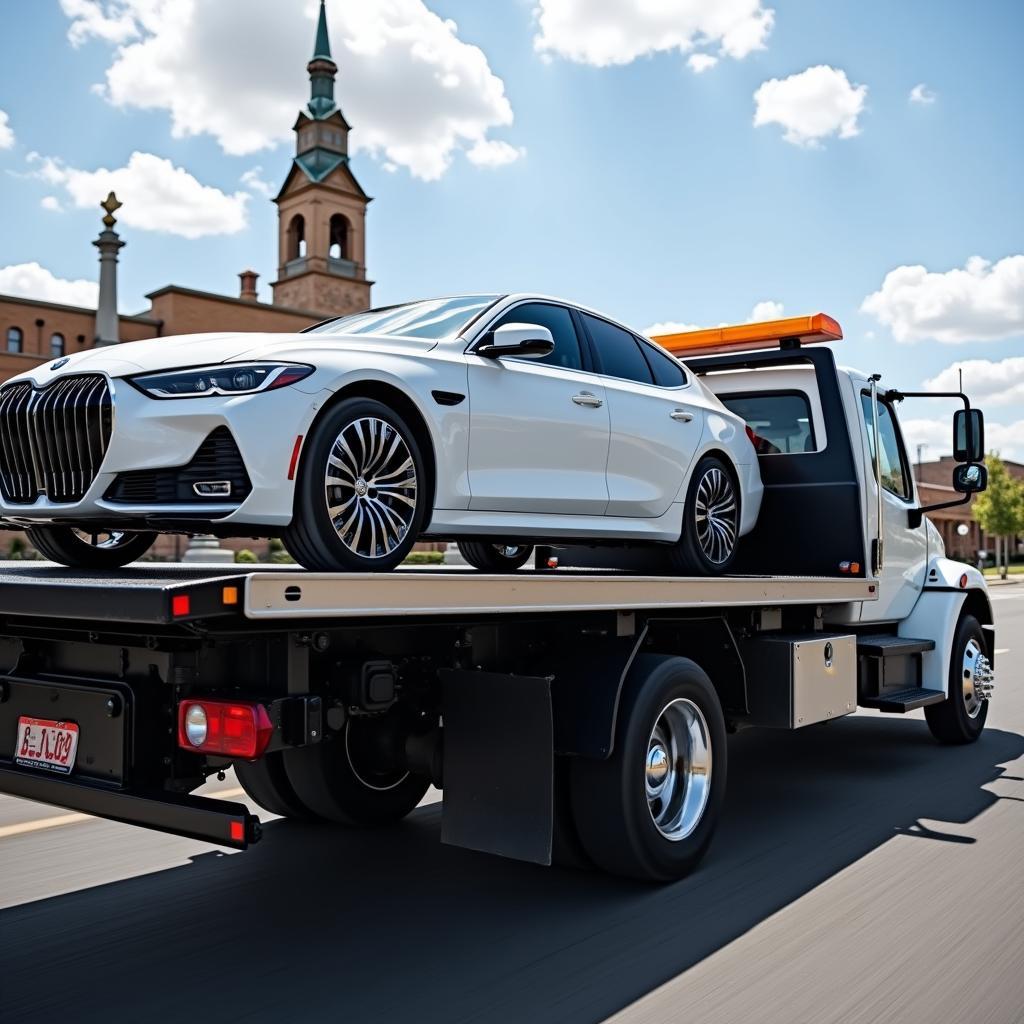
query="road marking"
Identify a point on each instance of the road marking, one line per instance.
(60, 820)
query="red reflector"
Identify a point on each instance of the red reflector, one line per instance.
(295, 458)
(963, 582)
(237, 832)
(181, 604)
(240, 730)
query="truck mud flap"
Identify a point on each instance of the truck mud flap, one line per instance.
(498, 764)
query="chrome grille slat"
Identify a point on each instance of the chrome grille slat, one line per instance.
(53, 439)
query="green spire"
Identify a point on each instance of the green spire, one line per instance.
(322, 49)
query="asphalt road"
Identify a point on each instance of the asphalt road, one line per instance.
(861, 874)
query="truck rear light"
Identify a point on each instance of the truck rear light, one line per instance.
(230, 728)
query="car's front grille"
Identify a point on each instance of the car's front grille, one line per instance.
(218, 458)
(53, 439)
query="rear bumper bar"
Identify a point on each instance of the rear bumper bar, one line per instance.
(194, 817)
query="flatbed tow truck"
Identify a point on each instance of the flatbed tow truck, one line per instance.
(572, 713)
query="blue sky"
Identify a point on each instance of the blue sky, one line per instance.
(610, 173)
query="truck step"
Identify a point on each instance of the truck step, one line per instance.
(885, 645)
(902, 701)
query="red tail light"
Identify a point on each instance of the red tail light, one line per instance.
(751, 435)
(231, 729)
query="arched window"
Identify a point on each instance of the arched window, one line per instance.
(56, 346)
(297, 237)
(339, 249)
(14, 339)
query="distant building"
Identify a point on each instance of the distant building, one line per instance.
(321, 256)
(935, 484)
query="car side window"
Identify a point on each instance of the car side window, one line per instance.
(895, 478)
(618, 351)
(558, 320)
(668, 373)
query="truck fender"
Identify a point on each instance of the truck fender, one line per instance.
(938, 610)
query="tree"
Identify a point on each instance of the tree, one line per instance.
(1000, 508)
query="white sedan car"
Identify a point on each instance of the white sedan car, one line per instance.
(501, 421)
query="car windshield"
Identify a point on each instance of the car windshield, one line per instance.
(432, 318)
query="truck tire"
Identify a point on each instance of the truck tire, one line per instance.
(362, 491)
(80, 549)
(960, 718)
(352, 779)
(494, 557)
(266, 783)
(650, 809)
(711, 521)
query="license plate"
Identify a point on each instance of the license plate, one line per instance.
(46, 744)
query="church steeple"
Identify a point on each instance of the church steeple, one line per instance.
(321, 206)
(322, 70)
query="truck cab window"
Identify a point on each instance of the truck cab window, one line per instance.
(781, 420)
(895, 478)
(558, 320)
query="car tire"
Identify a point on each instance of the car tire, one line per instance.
(711, 518)
(495, 557)
(352, 778)
(71, 547)
(642, 812)
(266, 782)
(960, 718)
(362, 459)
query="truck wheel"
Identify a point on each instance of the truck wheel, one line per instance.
(361, 496)
(84, 549)
(353, 777)
(711, 519)
(650, 809)
(266, 782)
(960, 718)
(495, 557)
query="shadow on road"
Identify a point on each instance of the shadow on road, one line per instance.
(394, 926)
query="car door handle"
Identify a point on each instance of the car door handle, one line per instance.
(587, 399)
(681, 415)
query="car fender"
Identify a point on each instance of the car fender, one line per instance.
(937, 611)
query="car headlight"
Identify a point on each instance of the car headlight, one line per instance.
(224, 379)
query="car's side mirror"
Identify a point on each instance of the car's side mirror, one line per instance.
(524, 341)
(970, 478)
(968, 435)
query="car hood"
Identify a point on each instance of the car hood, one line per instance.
(159, 354)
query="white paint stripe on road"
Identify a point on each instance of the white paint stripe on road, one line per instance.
(58, 821)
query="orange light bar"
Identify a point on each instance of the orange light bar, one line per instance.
(749, 337)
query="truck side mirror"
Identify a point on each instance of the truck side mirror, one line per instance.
(970, 478)
(968, 436)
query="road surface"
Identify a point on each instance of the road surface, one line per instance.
(861, 874)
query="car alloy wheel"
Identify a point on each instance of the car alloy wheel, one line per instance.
(716, 515)
(104, 540)
(370, 486)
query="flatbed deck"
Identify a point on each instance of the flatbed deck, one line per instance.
(162, 593)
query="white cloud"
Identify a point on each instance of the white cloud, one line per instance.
(51, 203)
(92, 19)
(494, 153)
(670, 327)
(767, 310)
(987, 382)
(1007, 439)
(604, 32)
(253, 179)
(922, 94)
(157, 196)
(698, 63)
(981, 302)
(811, 105)
(6, 133)
(31, 281)
(235, 69)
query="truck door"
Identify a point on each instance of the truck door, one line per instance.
(905, 548)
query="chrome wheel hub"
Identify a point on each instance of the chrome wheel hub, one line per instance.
(105, 540)
(978, 678)
(370, 486)
(716, 515)
(677, 772)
